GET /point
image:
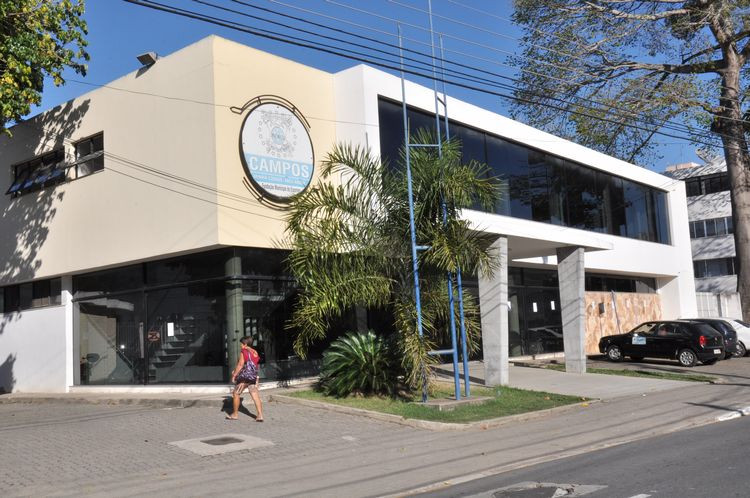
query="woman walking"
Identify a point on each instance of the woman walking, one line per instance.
(245, 375)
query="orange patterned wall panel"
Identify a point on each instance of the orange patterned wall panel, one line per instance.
(632, 309)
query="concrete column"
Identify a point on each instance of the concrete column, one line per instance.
(72, 339)
(571, 274)
(493, 302)
(235, 326)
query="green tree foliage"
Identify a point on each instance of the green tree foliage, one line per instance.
(38, 38)
(609, 73)
(359, 364)
(351, 245)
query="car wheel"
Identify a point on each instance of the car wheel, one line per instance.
(636, 358)
(614, 353)
(741, 350)
(710, 362)
(687, 358)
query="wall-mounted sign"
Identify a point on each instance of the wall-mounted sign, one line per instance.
(276, 151)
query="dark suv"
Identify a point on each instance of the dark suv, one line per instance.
(726, 331)
(687, 341)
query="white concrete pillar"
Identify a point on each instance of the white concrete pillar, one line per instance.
(571, 275)
(72, 340)
(493, 302)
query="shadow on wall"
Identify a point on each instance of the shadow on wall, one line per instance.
(7, 380)
(25, 220)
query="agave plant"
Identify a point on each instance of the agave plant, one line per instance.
(358, 363)
(351, 244)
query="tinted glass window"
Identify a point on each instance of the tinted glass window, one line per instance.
(119, 279)
(541, 187)
(693, 187)
(12, 298)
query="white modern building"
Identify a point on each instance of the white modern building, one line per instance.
(143, 223)
(711, 233)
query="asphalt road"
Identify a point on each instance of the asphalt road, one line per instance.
(708, 461)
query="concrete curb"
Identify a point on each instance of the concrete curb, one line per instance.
(151, 402)
(428, 424)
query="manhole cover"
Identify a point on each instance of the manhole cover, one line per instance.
(220, 441)
(527, 493)
(217, 444)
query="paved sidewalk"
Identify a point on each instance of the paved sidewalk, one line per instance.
(55, 449)
(586, 385)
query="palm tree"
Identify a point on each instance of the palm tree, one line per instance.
(351, 244)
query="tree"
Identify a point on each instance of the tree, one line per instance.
(351, 245)
(38, 38)
(609, 73)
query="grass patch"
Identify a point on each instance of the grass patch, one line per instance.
(650, 374)
(506, 401)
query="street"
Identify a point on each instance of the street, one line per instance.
(707, 461)
(69, 449)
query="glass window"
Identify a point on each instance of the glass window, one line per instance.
(700, 229)
(730, 224)
(55, 291)
(693, 187)
(710, 228)
(12, 298)
(101, 282)
(42, 171)
(89, 155)
(186, 268)
(40, 294)
(541, 187)
(26, 295)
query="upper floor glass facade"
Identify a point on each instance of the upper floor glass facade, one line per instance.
(542, 187)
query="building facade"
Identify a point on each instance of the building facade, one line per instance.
(143, 224)
(711, 233)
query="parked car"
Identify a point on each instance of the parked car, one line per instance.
(686, 341)
(727, 332)
(743, 334)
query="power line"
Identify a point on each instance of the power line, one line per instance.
(364, 58)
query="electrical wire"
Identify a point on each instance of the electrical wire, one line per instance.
(364, 58)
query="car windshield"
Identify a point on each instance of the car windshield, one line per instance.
(743, 323)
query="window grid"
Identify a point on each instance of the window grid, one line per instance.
(713, 227)
(30, 295)
(720, 267)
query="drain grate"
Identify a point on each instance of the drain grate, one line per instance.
(221, 441)
(217, 444)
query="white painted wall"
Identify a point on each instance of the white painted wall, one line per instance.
(358, 89)
(32, 350)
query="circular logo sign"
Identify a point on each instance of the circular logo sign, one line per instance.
(276, 150)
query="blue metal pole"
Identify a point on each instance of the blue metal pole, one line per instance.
(445, 211)
(464, 354)
(412, 229)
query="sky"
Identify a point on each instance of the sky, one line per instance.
(476, 32)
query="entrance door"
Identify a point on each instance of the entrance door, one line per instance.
(112, 350)
(183, 338)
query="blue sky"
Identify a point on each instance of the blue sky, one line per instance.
(118, 31)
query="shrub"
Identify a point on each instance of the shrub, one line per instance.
(358, 363)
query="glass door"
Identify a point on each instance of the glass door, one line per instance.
(112, 350)
(184, 339)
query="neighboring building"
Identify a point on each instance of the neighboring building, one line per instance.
(711, 234)
(143, 224)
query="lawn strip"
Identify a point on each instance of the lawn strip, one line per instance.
(506, 401)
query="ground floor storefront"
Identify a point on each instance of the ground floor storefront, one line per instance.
(178, 320)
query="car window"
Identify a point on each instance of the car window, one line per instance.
(666, 330)
(643, 329)
(705, 329)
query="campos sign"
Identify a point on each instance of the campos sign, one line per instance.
(276, 151)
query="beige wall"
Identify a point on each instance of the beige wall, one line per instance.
(243, 73)
(173, 178)
(125, 212)
(632, 309)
